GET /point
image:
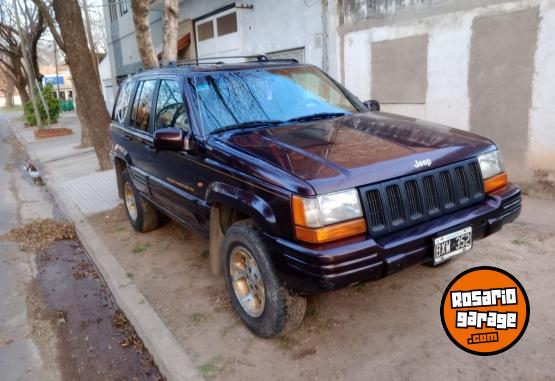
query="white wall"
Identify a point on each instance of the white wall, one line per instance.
(448, 55)
(541, 153)
(447, 99)
(108, 89)
(287, 24)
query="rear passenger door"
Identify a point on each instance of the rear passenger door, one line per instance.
(139, 134)
(175, 177)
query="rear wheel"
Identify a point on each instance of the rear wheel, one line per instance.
(142, 215)
(264, 305)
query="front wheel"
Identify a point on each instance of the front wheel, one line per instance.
(264, 305)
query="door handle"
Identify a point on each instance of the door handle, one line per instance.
(126, 137)
(150, 148)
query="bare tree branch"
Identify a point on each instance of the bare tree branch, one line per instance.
(50, 22)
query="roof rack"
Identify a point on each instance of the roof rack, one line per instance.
(257, 57)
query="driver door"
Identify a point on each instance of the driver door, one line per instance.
(173, 181)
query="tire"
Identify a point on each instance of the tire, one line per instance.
(267, 313)
(142, 215)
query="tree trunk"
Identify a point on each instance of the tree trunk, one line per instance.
(8, 94)
(142, 33)
(171, 14)
(23, 94)
(86, 139)
(92, 114)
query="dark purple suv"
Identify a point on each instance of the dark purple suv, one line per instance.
(300, 187)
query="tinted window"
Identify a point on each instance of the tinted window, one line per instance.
(140, 115)
(170, 111)
(120, 110)
(227, 24)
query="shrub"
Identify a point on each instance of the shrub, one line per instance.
(53, 107)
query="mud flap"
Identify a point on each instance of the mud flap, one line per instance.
(216, 239)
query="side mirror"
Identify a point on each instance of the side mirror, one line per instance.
(172, 139)
(372, 105)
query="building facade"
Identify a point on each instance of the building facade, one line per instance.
(487, 66)
(61, 80)
(105, 72)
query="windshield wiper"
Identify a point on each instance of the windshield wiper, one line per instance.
(320, 115)
(252, 123)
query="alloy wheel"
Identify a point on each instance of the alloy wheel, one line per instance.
(247, 281)
(130, 202)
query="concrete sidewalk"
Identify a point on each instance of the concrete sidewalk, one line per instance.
(62, 161)
(80, 189)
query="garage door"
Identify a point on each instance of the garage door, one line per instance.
(218, 35)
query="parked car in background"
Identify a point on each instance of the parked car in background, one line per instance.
(298, 185)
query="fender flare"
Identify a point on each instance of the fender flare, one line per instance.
(245, 201)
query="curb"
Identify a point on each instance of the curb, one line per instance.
(168, 354)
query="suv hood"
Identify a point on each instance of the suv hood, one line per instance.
(355, 150)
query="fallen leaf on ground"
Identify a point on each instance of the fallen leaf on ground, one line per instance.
(39, 234)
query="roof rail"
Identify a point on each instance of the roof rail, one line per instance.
(257, 57)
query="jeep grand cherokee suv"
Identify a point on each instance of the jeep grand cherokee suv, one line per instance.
(299, 186)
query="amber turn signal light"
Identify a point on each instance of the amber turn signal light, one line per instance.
(331, 232)
(495, 182)
(299, 216)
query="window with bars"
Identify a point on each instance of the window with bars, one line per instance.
(123, 8)
(113, 11)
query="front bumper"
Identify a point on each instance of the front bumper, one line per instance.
(316, 268)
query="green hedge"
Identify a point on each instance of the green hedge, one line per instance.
(53, 107)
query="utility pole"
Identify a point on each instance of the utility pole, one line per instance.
(56, 65)
(48, 122)
(27, 65)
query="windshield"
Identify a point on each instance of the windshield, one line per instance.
(252, 97)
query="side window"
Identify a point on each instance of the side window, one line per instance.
(170, 111)
(120, 110)
(140, 114)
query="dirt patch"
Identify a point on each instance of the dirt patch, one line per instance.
(52, 132)
(76, 318)
(39, 234)
(389, 329)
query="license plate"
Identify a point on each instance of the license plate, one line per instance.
(449, 245)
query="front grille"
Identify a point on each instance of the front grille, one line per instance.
(403, 202)
(395, 204)
(413, 199)
(376, 213)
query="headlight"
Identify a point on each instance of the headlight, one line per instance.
(493, 171)
(323, 218)
(490, 164)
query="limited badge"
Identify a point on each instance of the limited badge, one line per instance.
(485, 311)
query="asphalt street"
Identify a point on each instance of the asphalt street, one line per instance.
(20, 358)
